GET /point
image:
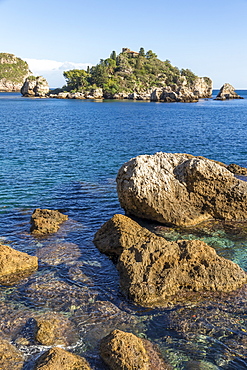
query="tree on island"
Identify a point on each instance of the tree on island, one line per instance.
(113, 55)
(142, 52)
(127, 72)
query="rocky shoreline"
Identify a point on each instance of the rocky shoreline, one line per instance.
(153, 271)
(202, 89)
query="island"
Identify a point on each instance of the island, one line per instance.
(137, 76)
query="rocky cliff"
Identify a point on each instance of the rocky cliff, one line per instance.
(183, 92)
(13, 72)
(35, 86)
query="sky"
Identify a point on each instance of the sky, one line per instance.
(208, 37)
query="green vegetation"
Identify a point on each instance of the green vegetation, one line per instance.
(12, 69)
(126, 73)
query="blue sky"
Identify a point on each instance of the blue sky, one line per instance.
(208, 37)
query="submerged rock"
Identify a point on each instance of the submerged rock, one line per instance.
(59, 359)
(180, 189)
(51, 291)
(121, 350)
(35, 86)
(227, 92)
(53, 329)
(106, 312)
(10, 357)
(45, 221)
(154, 271)
(58, 253)
(15, 265)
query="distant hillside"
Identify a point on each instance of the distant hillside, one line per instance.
(13, 72)
(138, 73)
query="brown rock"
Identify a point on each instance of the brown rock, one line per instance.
(54, 330)
(180, 189)
(154, 271)
(45, 221)
(227, 92)
(15, 265)
(10, 357)
(121, 350)
(59, 359)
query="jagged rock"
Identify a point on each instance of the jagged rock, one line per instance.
(173, 94)
(121, 350)
(53, 329)
(62, 95)
(120, 96)
(180, 189)
(153, 270)
(15, 265)
(35, 86)
(203, 87)
(77, 95)
(227, 92)
(59, 359)
(94, 94)
(10, 357)
(13, 72)
(44, 221)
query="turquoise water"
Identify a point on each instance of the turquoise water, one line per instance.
(65, 154)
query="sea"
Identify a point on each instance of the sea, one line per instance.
(65, 154)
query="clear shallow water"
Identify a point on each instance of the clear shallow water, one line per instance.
(65, 154)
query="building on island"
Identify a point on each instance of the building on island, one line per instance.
(130, 52)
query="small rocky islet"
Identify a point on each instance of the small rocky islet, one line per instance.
(153, 271)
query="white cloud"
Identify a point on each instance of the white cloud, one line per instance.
(53, 70)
